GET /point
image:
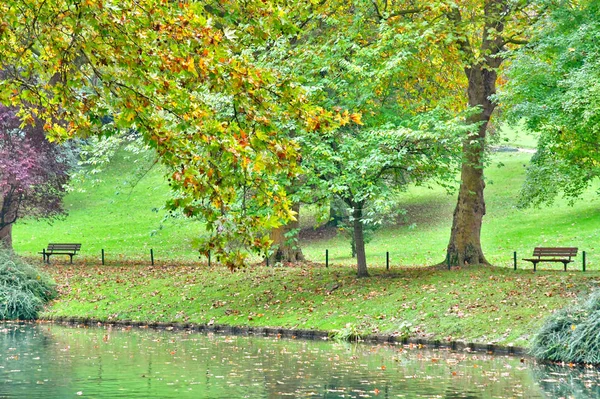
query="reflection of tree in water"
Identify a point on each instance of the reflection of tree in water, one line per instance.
(382, 371)
(162, 364)
(561, 381)
(25, 359)
(462, 395)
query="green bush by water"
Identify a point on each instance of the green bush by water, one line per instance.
(23, 289)
(571, 334)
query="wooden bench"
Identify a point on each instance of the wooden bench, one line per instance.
(60, 249)
(558, 254)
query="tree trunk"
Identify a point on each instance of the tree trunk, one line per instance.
(287, 249)
(465, 239)
(8, 215)
(6, 236)
(359, 240)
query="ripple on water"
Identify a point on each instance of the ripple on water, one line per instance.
(47, 361)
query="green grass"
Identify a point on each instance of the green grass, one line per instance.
(483, 304)
(128, 222)
(517, 136)
(476, 304)
(23, 289)
(124, 220)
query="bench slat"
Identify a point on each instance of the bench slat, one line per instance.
(568, 251)
(64, 247)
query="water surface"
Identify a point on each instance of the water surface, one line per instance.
(50, 361)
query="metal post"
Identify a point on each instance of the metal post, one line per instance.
(326, 258)
(103, 256)
(208, 258)
(583, 260)
(387, 260)
(515, 259)
(151, 256)
(44, 254)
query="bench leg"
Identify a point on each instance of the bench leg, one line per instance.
(71, 258)
(534, 265)
(565, 264)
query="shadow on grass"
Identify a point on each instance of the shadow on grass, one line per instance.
(431, 213)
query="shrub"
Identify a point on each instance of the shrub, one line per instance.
(351, 332)
(23, 289)
(571, 334)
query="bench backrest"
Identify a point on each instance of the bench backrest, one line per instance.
(64, 247)
(557, 251)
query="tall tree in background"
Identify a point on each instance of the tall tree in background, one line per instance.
(33, 173)
(468, 38)
(443, 54)
(554, 88)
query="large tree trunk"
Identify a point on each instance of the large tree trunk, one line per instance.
(359, 240)
(287, 248)
(6, 237)
(465, 239)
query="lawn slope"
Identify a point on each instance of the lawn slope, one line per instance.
(127, 222)
(478, 304)
(123, 218)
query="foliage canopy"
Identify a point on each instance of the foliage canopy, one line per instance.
(184, 75)
(554, 88)
(33, 173)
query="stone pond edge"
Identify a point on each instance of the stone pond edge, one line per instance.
(457, 345)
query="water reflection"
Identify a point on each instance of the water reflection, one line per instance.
(47, 361)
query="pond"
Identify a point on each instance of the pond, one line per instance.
(52, 361)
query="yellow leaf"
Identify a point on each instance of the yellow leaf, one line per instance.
(189, 65)
(356, 118)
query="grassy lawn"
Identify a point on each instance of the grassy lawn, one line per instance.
(128, 222)
(517, 136)
(423, 237)
(480, 304)
(477, 304)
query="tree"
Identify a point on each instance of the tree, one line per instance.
(444, 54)
(33, 174)
(190, 77)
(182, 74)
(285, 246)
(554, 88)
(347, 60)
(468, 41)
(365, 167)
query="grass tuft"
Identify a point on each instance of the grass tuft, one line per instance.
(571, 334)
(23, 289)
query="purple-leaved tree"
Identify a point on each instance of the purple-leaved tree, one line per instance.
(33, 173)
